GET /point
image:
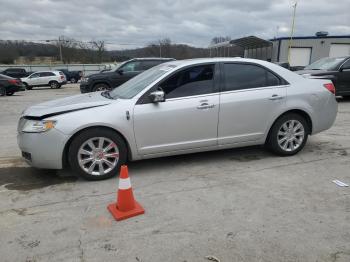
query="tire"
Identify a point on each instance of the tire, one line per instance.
(28, 87)
(100, 87)
(54, 84)
(10, 93)
(73, 80)
(285, 142)
(80, 146)
(2, 91)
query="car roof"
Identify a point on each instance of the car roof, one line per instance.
(152, 58)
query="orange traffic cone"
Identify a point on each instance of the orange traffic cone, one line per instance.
(126, 205)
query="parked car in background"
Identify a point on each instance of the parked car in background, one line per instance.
(15, 72)
(10, 85)
(72, 76)
(336, 69)
(54, 79)
(108, 80)
(175, 108)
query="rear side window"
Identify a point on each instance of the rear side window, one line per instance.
(246, 76)
(149, 64)
(45, 74)
(192, 81)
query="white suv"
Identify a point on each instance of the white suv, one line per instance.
(54, 79)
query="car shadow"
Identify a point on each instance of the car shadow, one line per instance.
(26, 178)
(244, 154)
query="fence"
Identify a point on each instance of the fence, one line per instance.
(87, 69)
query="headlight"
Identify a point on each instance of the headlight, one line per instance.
(38, 126)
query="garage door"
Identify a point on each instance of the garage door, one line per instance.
(339, 50)
(300, 56)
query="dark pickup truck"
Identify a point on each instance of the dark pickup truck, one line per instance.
(15, 72)
(72, 76)
(108, 80)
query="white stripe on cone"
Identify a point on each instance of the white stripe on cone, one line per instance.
(124, 183)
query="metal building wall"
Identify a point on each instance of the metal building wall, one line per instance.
(320, 47)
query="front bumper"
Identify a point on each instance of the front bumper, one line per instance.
(13, 89)
(43, 150)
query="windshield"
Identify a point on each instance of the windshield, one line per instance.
(135, 85)
(326, 63)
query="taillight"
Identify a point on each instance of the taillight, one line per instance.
(330, 87)
(62, 77)
(13, 81)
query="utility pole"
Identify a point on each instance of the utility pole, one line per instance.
(60, 47)
(292, 29)
(160, 48)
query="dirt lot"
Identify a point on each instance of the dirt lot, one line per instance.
(236, 205)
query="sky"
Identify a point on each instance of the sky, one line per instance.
(136, 23)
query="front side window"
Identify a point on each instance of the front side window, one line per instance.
(34, 75)
(192, 81)
(246, 76)
(131, 67)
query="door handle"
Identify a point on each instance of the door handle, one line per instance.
(276, 97)
(205, 106)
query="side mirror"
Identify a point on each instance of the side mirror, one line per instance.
(120, 71)
(157, 96)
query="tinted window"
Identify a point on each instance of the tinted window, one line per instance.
(196, 80)
(346, 65)
(45, 74)
(244, 76)
(15, 70)
(149, 64)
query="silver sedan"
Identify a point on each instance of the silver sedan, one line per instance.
(176, 108)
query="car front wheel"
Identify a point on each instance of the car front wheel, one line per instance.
(288, 135)
(97, 154)
(101, 87)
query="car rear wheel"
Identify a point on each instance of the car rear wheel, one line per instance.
(101, 87)
(288, 135)
(97, 154)
(54, 84)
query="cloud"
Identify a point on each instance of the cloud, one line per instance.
(140, 22)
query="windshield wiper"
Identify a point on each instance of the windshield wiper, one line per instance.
(106, 94)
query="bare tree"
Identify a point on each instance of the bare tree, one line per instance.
(100, 47)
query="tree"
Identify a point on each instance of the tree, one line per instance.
(100, 47)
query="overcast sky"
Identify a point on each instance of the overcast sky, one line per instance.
(193, 22)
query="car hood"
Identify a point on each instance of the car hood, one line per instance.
(66, 105)
(103, 75)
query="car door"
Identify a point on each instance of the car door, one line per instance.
(126, 72)
(33, 79)
(343, 79)
(251, 97)
(188, 117)
(43, 78)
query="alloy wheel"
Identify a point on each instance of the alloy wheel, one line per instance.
(98, 155)
(291, 135)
